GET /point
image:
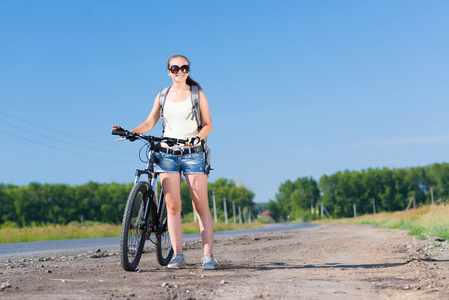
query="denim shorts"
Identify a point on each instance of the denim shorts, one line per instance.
(193, 163)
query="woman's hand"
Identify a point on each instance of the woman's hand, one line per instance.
(115, 127)
(193, 140)
(128, 134)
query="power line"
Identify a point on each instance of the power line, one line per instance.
(63, 150)
(58, 140)
(52, 130)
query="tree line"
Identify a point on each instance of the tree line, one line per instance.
(38, 204)
(380, 190)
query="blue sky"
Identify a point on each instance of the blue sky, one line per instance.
(296, 88)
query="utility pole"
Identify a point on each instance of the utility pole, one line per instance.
(225, 210)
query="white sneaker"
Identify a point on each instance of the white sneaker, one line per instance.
(179, 262)
(208, 262)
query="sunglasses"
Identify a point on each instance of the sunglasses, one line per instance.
(175, 69)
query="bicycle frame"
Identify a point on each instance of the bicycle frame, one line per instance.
(152, 180)
(149, 171)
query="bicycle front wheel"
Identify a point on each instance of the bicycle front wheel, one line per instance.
(135, 226)
(164, 249)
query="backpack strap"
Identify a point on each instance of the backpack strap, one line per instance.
(162, 98)
(195, 91)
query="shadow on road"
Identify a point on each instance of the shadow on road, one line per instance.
(286, 266)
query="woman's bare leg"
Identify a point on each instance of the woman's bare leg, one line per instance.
(171, 183)
(198, 192)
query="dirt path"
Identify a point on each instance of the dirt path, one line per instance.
(329, 262)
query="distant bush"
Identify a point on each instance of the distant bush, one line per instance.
(74, 223)
(10, 224)
(264, 220)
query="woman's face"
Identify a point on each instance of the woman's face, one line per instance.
(180, 76)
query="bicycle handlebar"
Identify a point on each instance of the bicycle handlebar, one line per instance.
(149, 138)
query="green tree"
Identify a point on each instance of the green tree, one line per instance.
(305, 196)
(275, 210)
(227, 189)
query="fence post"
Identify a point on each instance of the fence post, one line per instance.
(233, 210)
(328, 214)
(215, 208)
(355, 211)
(322, 209)
(225, 210)
(409, 203)
(374, 206)
(240, 215)
(245, 215)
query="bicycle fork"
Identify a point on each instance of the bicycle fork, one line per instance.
(153, 225)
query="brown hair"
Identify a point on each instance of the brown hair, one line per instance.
(189, 80)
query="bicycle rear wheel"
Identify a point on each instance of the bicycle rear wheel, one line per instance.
(135, 225)
(164, 249)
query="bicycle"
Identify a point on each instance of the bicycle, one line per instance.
(145, 213)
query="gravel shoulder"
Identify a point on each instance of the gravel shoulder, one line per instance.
(338, 261)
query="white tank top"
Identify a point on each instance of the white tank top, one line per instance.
(178, 117)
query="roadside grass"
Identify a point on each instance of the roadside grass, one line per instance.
(75, 230)
(52, 232)
(429, 220)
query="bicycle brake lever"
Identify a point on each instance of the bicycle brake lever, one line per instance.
(122, 138)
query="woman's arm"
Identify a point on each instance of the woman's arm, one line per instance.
(205, 116)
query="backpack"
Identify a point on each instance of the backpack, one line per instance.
(195, 93)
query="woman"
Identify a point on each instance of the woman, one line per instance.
(178, 123)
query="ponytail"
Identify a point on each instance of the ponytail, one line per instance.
(192, 82)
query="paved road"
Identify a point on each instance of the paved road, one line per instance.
(112, 244)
